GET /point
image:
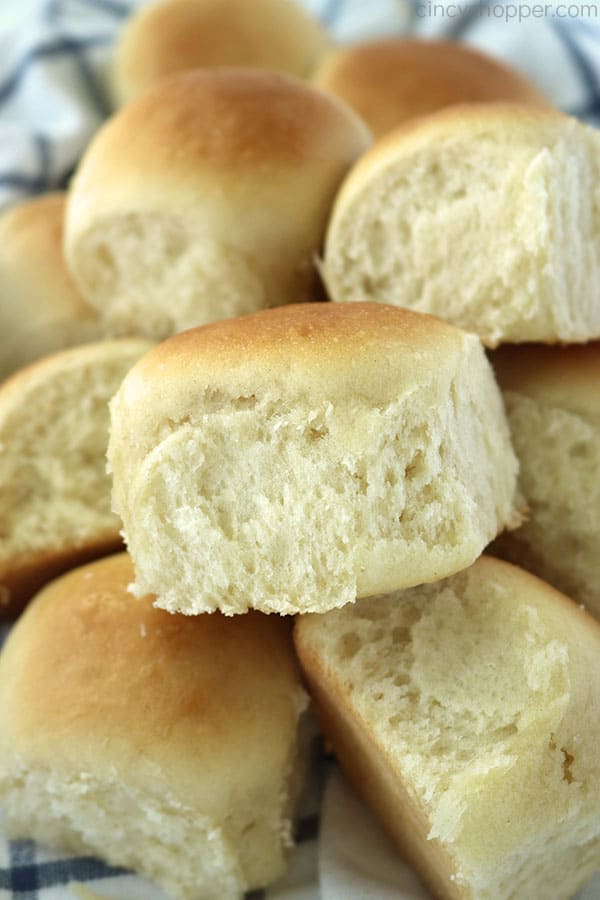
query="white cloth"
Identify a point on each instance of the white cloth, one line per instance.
(53, 96)
(54, 56)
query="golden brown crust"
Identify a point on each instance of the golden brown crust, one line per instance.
(326, 333)
(389, 81)
(345, 354)
(41, 310)
(230, 174)
(226, 120)
(31, 237)
(29, 376)
(178, 35)
(21, 578)
(94, 678)
(42, 216)
(300, 352)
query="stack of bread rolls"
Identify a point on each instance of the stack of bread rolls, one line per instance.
(346, 463)
(490, 221)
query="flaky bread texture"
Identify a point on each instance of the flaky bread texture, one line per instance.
(206, 198)
(389, 81)
(552, 398)
(171, 36)
(483, 215)
(41, 310)
(161, 743)
(294, 459)
(467, 714)
(54, 491)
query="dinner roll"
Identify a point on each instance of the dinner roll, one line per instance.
(165, 744)
(41, 311)
(206, 198)
(552, 398)
(54, 490)
(174, 35)
(294, 459)
(484, 215)
(467, 713)
(389, 81)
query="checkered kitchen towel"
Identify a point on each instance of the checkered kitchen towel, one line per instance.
(53, 64)
(53, 96)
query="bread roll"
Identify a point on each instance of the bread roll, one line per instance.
(206, 198)
(467, 713)
(54, 490)
(484, 215)
(552, 398)
(165, 744)
(172, 36)
(294, 459)
(389, 81)
(41, 311)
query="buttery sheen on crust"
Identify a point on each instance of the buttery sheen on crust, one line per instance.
(171, 36)
(54, 490)
(485, 215)
(41, 310)
(161, 743)
(467, 713)
(389, 81)
(294, 459)
(208, 197)
(552, 398)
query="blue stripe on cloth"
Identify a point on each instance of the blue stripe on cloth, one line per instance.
(65, 178)
(42, 149)
(54, 9)
(587, 73)
(64, 181)
(88, 78)
(331, 11)
(582, 63)
(113, 7)
(58, 47)
(588, 111)
(26, 876)
(33, 184)
(23, 875)
(458, 26)
(591, 29)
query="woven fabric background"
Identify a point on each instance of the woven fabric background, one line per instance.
(54, 57)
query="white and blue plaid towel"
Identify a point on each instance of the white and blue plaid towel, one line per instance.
(53, 64)
(53, 96)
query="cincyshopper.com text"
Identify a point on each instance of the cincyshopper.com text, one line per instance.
(507, 12)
